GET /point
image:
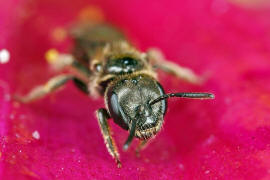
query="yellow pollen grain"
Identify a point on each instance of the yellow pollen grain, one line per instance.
(91, 13)
(51, 56)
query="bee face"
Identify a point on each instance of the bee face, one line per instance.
(129, 100)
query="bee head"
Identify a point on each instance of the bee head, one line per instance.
(128, 101)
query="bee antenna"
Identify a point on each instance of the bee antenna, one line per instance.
(184, 95)
(131, 135)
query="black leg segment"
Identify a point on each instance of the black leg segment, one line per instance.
(103, 117)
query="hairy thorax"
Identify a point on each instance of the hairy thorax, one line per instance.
(114, 60)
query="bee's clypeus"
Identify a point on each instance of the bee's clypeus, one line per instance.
(105, 64)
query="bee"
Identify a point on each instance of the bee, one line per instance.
(103, 63)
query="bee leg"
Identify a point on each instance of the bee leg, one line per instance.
(52, 85)
(60, 62)
(71, 62)
(158, 60)
(103, 117)
(142, 144)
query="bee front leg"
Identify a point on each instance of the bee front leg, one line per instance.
(158, 60)
(52, 85)
(103, 117)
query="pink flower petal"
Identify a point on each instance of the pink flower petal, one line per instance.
(58, 137)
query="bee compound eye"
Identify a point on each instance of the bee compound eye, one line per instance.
(114, 105)
(116, 111)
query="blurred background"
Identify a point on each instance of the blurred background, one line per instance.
(227, 138)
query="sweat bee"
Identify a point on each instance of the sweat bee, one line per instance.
(104, 64)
